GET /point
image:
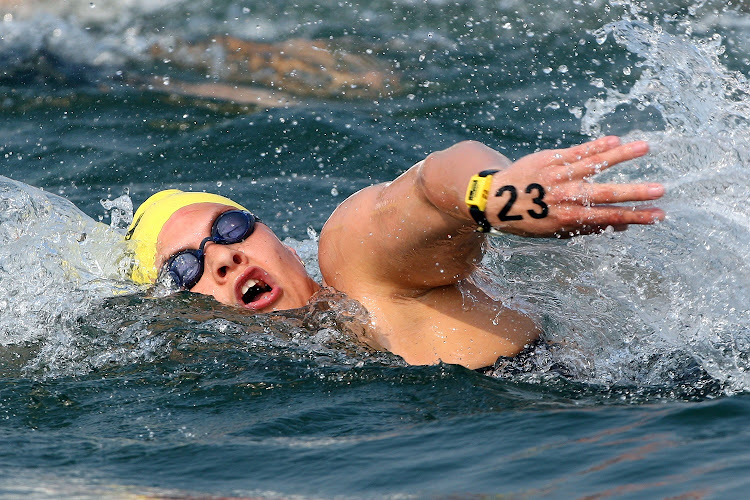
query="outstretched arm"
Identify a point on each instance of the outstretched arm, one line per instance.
(416, 232)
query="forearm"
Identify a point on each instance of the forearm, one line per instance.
(426, 231)
(549, 193)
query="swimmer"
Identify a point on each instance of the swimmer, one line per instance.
(403, 249)
(241, 71)
(298, 66)
(286, 70)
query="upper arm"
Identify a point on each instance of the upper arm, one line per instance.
(409, 235)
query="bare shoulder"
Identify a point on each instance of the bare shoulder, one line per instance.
(378, 239)
(404, 249)
(346, 243)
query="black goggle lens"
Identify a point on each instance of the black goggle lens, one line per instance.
(185, 268)
(232, 227)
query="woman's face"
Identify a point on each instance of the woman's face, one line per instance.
(259, 273)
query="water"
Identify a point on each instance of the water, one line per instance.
(108, 390)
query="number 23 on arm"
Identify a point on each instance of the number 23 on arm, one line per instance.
(549, 193)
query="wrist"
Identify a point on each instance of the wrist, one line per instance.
(477, 194)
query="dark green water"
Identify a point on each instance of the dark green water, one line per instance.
(106, 391)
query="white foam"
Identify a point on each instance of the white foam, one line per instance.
(625, 302)
(56, 261)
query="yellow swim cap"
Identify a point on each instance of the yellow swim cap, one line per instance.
(150, 218)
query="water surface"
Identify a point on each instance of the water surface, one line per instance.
(108, 390)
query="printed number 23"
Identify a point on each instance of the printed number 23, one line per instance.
(538, 200)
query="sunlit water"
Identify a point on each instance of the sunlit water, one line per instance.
(109, 389)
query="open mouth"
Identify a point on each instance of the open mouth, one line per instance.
(256, 290)
(253, 289)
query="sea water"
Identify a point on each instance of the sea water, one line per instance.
(108, 389)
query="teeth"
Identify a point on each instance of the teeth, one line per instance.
(249, 283)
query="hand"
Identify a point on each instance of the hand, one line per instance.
(549, 193)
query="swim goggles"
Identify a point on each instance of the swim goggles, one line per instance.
(185, 268)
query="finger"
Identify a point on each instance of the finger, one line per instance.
(578, 153)
(618, 193)
(601, 161)
(618, 216)
(581, 220)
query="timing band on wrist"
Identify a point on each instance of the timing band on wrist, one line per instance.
(477, 193)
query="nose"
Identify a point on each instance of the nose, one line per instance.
(221, 260)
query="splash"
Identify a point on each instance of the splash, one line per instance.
(120, 211)
(670, 304)
(56, 262)
(682, 81)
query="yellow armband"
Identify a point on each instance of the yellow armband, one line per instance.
(477, 193)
